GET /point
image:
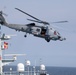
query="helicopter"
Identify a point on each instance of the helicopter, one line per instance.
(44, 31)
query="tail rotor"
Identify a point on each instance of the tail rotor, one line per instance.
(2, 19)
(2, 13)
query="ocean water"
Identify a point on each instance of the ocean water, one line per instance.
(61, 70)
(50, 70)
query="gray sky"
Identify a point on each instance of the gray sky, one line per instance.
(54, 53)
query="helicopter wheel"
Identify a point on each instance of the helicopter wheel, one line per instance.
(25, 35)
(48, 40)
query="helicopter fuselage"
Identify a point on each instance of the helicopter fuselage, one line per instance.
(38, 31)
(46, 32)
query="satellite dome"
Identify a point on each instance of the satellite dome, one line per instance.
(42, 67)
(20, 67)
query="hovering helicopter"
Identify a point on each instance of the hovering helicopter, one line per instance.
(45, 31)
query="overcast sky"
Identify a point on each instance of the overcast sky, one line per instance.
(54, 53)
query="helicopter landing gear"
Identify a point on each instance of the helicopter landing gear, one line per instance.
(47, 39)
(25, 35)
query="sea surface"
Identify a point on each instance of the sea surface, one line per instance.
(50, 70)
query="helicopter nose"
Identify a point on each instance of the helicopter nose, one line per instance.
(61, 39)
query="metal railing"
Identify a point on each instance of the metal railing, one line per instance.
(23, 73)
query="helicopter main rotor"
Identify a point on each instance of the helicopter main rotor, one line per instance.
(38, 20)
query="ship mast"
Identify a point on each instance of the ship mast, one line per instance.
(2, 61)
(0, 54)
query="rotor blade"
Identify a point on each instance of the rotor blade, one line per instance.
(60, 22)
(27, 14)
(1, 12)
(39, 21)
(34, 20)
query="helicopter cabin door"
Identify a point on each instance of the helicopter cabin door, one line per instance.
(43, 31)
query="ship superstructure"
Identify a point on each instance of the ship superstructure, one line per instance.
(21, 68)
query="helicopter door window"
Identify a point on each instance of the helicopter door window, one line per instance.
(43, 31)
(38, 30)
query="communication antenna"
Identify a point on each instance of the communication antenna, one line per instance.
(28, 63)
(34, 67)
(40, 61)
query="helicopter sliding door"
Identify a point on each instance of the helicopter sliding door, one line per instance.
(43, 31)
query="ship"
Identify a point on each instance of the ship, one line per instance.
(21, 68)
